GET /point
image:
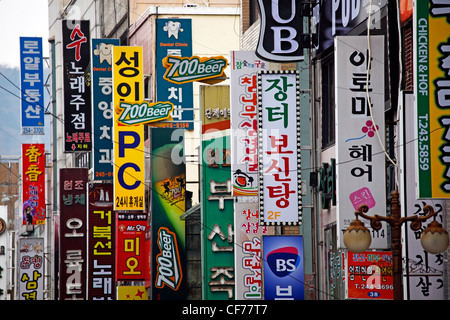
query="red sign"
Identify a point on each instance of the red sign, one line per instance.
(101, 244)
(33, 173)
(72, 252)
(369, 275)
(130, 253)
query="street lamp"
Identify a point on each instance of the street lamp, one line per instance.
(434, 238)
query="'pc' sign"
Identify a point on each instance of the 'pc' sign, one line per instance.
(283, 267)
(280, 39)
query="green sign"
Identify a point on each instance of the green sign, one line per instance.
(142, 112)
(185, 69)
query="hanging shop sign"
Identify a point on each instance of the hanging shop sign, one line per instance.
(283, 268)
(101, 242)
(244, 123)
(360, 158)
(431, 87)
(77, 85)
(174, 38)
(279, 144)
(32, 85)
(130, 246)
(189, 69)
(217, 199)
(168, 205)
(31, 268)
(327, 184)
(143, 112)
(132, 293)
(102, 110)
(73, 234)
(3, 255)
(369, 275)
(281, 35)
(128, 85)
(33, 187)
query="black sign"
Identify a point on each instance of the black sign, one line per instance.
(77, 86)
(281, 34)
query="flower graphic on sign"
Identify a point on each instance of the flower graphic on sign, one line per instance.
(368, 129)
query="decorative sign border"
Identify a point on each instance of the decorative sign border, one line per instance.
(262, 189)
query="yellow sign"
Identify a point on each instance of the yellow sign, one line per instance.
(128, 85)
(131, 293)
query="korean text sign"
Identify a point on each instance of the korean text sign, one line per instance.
(32, 85)
(128, 86)
(369, 275)
(33, 174)
(130, 248)
(101, 242)
(102, 116)
(431, 87)
(73, 234)
(77, 87)
(31, 269)
(174, 37)
(244, 121)
(279, 136)
(360, 159)
(283, 267)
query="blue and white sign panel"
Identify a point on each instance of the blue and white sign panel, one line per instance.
(32, 86)
(174, 37)
(101, 75)
(283, 268)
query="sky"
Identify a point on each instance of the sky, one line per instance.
(18, 18)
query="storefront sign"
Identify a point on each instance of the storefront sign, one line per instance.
(143, 112)
(360, 158)
(102, 97)
(31, 268)
(77, 85)
(283, 268)
(33, 174)
(279, 144)
(101, 242)
(32, 85)
(73, 234)
(244, 121)
(128, 85)
(431, 88)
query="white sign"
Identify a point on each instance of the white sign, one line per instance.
(360, 159)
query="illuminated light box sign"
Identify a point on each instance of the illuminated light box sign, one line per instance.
(142, 112)
(280, 195)
(184, 69)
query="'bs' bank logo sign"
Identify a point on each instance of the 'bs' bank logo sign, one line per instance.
(283, 261)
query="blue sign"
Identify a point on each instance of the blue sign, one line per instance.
(102, 107)
(32, 85)
(174, 37)
(283, 268)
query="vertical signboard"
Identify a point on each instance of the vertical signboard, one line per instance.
(73, 234)
(431, 87)
(102, 115)
(31, 268)
(101, 242)
(130, 247)
(424, 274)
(244, 121)
(128, 85)
(3, 246)
(217, 199)
(369, 275)
(283, 268)
(77, 86)
(32, 85)
(168, 204)
(360, 157)
(279, 146)
(33, 174)
(174, 37)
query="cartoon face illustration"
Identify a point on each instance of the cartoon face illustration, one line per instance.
(104, 52)
(172, 28)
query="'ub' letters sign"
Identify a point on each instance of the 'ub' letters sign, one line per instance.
(281, 33)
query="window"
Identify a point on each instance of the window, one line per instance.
(328, 106)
